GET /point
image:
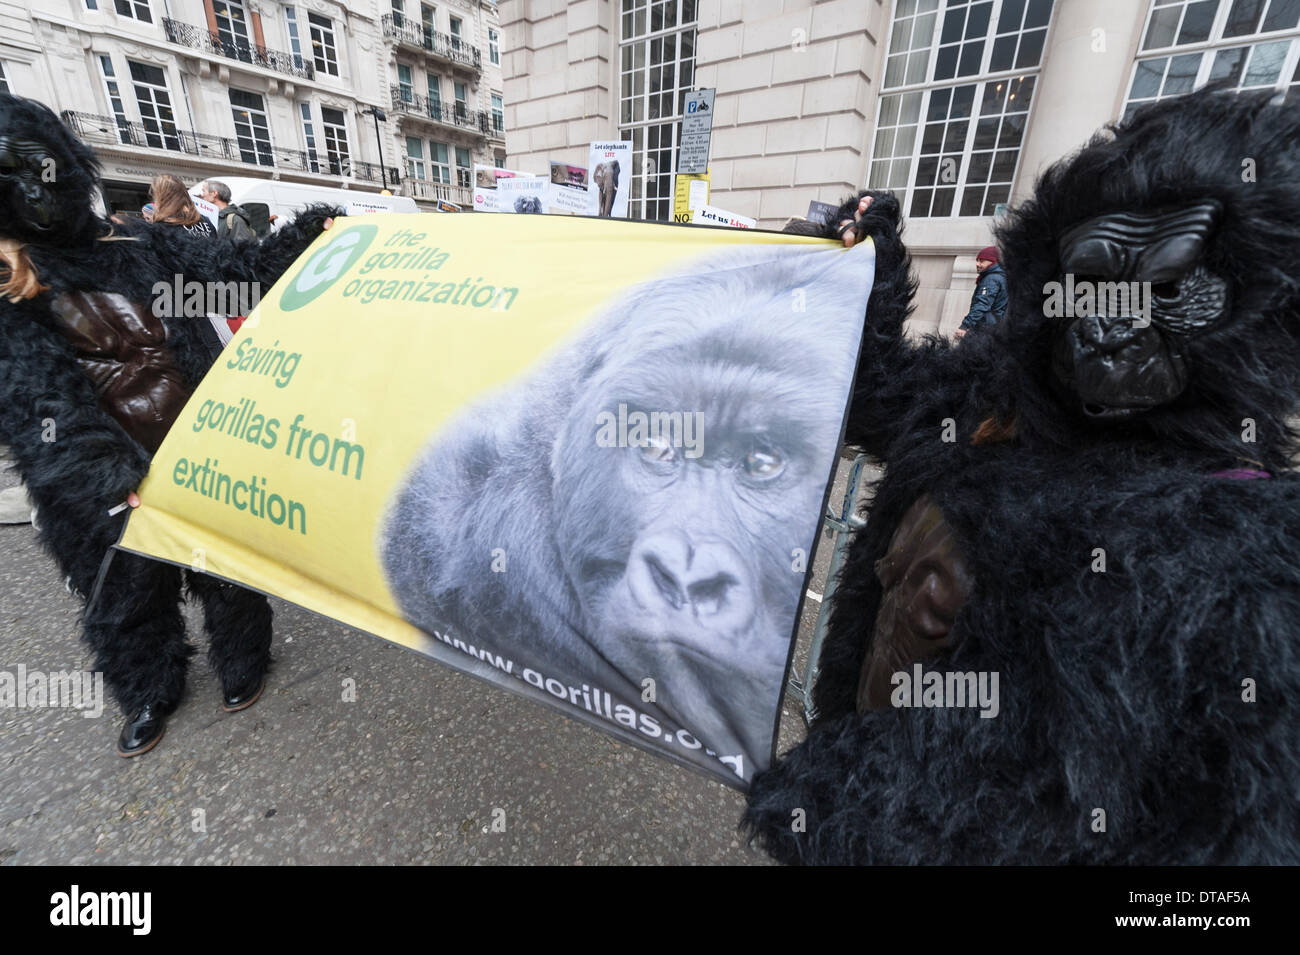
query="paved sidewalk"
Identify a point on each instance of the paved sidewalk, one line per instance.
(409, 773)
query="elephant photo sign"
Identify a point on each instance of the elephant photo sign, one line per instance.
(590, 471)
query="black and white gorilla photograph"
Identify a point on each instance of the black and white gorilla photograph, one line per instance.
(634, 515)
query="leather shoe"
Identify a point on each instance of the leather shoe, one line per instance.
(243, 697)
(142, 731)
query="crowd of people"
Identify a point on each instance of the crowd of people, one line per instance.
(170, 204)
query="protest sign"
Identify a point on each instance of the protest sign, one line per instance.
(611, 177)
(588, 468)
(711, 215)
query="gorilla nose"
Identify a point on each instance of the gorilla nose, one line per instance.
(1109, 333)
(671, 573)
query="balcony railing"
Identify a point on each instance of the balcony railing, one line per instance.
(413, 104)
(463, 196)
(107, 130)
(404, 30)
(198, 38)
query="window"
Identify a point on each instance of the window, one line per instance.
(309, 137)
(155, 103)
(951, 149)
(439, 166)
(404, 85)
(463, 170)
(1202, 43)
(4, 80)
(931, 41)
(92, 5)
(656, 71)
(435, 96)
(427, 24)
(462, 108)
(336, 141)
(494, 46)
(324, 54)
(500, 162)
(498, 114)
(399, 14)
(414, 157)
(232, 29)
(295, 44)
(115, 98)
(135, 9)
(455, 33)
(252, 131)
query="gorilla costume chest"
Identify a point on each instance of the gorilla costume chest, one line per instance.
(122, 348)
(1083, 551)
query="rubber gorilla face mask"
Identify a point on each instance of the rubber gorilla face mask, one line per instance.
(1145, 293)
(26, 168)
(36, 203)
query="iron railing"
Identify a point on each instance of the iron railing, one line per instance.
(199, 38)
(166, 136)
(463, 196)
(404, 30)
(455, 114)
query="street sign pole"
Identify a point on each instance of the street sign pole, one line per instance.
(697, 128)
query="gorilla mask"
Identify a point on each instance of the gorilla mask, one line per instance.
(46, 175)
(1127, 353)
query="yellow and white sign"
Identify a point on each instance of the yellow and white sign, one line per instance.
(583, 459)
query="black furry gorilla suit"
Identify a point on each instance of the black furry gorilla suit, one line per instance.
(75, 458)
(1162, 689)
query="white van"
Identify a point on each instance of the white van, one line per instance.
(285, 199)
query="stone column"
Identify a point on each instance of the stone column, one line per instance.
(1084, 78)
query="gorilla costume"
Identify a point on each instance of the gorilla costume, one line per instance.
(1096, 507)
(90, 380)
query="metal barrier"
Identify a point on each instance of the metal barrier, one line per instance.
(840, 527)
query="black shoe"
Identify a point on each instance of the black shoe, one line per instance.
(244, 697)
(142, 731)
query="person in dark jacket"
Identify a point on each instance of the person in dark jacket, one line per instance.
(232, 221)
(989, 303)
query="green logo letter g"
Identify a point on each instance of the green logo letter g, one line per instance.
(325, 267)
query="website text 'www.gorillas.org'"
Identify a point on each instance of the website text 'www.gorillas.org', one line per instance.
(596, 701)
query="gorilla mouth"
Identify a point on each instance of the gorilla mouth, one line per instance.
(1115, 372)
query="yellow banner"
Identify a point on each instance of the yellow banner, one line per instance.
(551, 455)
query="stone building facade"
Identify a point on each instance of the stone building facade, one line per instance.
(956, 105)
(308, 91)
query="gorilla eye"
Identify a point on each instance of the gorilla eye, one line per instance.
(658, 450)
(764, 463)
(1166, 290)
